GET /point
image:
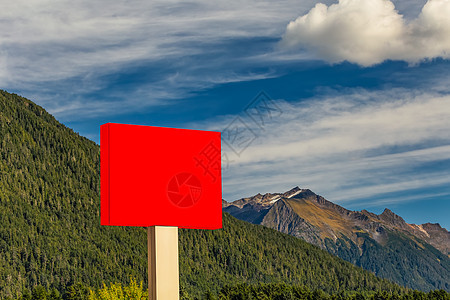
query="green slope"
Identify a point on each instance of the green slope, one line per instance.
(50, 231)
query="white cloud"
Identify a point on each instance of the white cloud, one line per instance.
(368, 32)
(347, 147)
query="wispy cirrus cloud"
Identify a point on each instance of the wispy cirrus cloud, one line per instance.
(347, 147)
(368, 32)
(58, 52)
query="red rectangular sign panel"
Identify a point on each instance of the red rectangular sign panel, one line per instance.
(154, 176)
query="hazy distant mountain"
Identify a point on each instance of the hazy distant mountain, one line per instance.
(413, 255)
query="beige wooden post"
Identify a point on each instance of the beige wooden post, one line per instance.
(163, 274)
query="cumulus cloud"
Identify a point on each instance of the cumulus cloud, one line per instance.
(368, 32)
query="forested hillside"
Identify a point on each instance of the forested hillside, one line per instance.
(49, 202)
(50, 231)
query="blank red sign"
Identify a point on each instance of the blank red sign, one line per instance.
(160, 176)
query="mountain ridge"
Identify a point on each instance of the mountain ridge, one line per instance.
(352, 235)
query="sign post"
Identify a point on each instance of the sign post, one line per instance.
(163, 262)
(163, 179)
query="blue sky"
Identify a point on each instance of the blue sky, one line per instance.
(357, 90)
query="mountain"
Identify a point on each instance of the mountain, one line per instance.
(416, 256)
(50, 231)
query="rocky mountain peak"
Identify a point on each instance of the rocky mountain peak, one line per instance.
(388, 216)
(225, 203)
(388, 212)
(432, 226)
(439, 237)
(292, 192)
